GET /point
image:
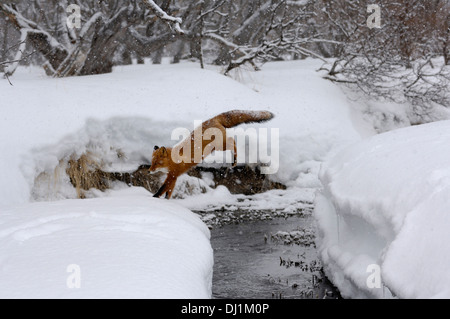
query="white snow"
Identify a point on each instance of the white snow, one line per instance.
(139, 246)
(132, 109)
(45, 122)
(386, 202)
(128, 244)
(135, 108)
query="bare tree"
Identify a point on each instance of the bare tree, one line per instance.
(235, 33)
(402, 61)
(249, 32)
(91, 49)
(4, 44)
(232, 32)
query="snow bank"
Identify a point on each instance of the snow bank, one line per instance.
(45, 119)
(126, 245)
(384, 210)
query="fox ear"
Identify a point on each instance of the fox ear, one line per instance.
(164, 151)
(155, 148)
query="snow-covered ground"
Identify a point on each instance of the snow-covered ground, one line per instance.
(45, 122)
(136, 107)
(150, 247)
(384, 215)
(126, 245)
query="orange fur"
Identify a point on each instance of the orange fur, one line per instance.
(162, 156)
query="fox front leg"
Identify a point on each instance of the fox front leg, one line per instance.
(167, 187)
(170, 187)
(160, 191)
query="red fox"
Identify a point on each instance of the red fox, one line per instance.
(162, 156)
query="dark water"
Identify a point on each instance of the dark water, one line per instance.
(250, 263)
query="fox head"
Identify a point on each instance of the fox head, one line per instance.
(160, 159)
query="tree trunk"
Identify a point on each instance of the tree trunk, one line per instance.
(41, 41)
(157, 56)
(447, 43)
(179, 52)
(54, 54)
(105, 42)
(4, 55)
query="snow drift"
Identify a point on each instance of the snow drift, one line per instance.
(45, 120)
(386, 202)
(126, 245)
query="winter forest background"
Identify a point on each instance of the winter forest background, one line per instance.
(405, 60)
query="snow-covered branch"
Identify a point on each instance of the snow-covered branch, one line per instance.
(254, 18)
(88, 25)
(279, 34)
(173, 22)
(41, 40)
(13, 65)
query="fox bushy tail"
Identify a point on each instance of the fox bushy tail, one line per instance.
(236, 117)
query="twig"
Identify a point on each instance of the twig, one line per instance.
(7, 77)
(160, 13)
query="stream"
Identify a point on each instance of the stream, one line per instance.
(268, 258)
